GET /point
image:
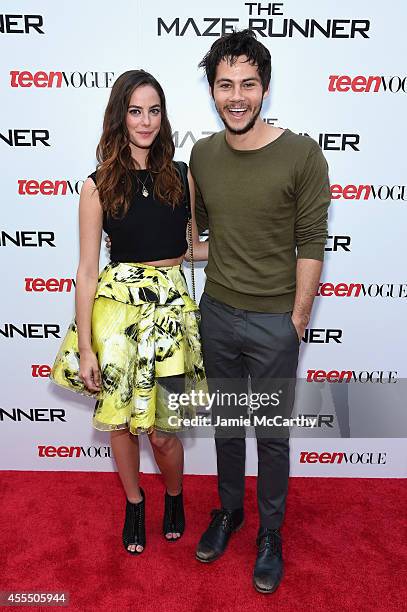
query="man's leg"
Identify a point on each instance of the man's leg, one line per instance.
(271, 356)
(221, 328)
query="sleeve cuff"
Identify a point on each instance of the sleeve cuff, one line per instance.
(311, 250)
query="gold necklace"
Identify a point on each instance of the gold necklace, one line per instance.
(144, 190)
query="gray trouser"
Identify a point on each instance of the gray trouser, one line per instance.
(237, 343)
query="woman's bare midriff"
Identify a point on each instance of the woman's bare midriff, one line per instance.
(165, 262)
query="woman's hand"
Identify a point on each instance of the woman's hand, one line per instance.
(108, 242)
(89, 371)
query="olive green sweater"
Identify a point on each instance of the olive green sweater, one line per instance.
(264, 208)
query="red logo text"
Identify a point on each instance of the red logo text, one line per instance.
(363, 84)
(74, 451)
(48, 188)
(340, 457)
(51, 284)
(41, 371)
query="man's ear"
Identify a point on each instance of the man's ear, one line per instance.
(210, 91)
(266, 93)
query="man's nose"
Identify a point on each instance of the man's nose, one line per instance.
(236, 94)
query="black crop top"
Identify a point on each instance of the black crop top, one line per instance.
(150, 230)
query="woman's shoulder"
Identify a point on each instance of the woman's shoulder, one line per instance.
(89, 187)
(93, 176)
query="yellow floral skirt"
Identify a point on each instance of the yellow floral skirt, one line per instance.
(145, 334)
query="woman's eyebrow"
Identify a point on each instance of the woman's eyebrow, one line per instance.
(141, 108)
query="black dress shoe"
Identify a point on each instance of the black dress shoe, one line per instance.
(268, 569)
(215, 539)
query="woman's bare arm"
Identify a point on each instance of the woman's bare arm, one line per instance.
(90, 232)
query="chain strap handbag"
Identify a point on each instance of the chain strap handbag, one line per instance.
(183, 171)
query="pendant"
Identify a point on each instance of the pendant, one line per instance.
(145, 192)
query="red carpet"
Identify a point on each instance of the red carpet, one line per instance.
(343, 546)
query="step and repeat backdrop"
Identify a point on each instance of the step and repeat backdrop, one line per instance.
(339, 76)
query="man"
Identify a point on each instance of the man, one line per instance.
(263, 192)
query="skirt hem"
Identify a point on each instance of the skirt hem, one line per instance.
(90, 394)
(134, 431)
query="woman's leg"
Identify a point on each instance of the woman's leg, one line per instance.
(125, 448)
(169, 455)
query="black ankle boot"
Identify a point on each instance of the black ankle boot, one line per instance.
(134, 530)
(268, 570)
(174, 516)
(214, 541)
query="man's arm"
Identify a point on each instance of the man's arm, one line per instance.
(308, 275)
(311, 230)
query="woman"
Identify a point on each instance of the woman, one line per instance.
(135, 337)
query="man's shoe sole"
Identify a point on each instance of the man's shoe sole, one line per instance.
(220, 554)
(265, 591)
(207, 560)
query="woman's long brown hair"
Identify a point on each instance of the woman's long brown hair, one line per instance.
(113, 177)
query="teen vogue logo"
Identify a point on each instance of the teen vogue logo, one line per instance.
(58, 79)
(355, 290)
(64, 452)
(49, 187)
(367, 84)
(51, 285)
(40, 370)
(335, 376)
(366, 458)
(366, 192)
